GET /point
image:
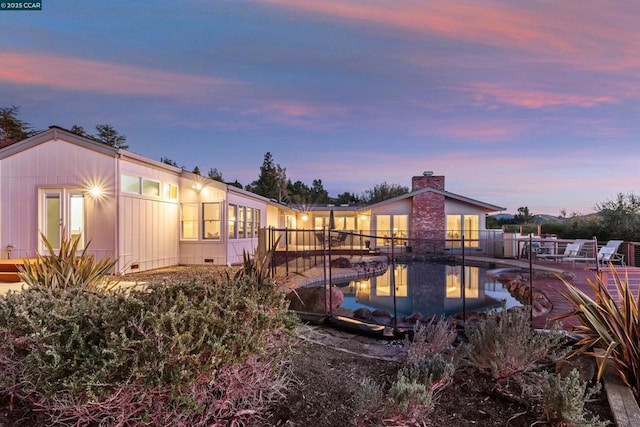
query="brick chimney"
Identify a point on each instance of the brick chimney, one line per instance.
(428, 179)
(428, 219)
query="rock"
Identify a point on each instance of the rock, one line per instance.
(541, 304)
(315, 299)
(383, 320)
(363, 314)
(413, 318)
(381, 313)
(341, 262)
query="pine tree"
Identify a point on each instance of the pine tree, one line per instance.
(272, 182)
(12, 129)
(108, 135)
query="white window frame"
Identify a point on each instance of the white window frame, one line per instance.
(208, 221)
(194, 222)
(151, 184)
(127, 181)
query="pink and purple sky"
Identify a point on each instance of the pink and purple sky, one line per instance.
(517, 103)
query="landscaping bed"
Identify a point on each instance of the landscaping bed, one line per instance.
(329, 367)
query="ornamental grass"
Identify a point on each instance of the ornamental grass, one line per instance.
(68, 267)
(609, 327)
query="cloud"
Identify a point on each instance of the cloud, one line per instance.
(488, 130)
(68, 73)
(594, 34)
(489, 93)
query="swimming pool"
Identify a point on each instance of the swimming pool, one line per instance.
(427, 288)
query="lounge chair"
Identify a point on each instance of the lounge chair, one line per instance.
(570, 251)
(606, 254)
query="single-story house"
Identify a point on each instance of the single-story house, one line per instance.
(145, 213)
(148, 214)
(427, 213)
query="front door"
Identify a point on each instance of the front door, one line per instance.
(62, 212)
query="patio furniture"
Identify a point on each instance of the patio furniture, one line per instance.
(339, 239)
(571, 250)
(606, 254)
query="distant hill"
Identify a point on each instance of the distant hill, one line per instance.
(537, 219)
(540, 218)
(502, 216)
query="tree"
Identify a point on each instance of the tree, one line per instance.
(347, 198)
(235, 184)
(620, 217)
(108, 135)
(319, 195)
(216, 175)
(299, 193)
(168, 161)
(272, 182)
(12, 129)
(523, 216)
(79, 130)
(384, 191)
(196, 171)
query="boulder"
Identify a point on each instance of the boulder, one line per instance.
(381, 313)
(315, 299)
(413, 318)
(541, 304)
(363, 314)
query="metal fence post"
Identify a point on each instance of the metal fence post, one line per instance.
(531, 280)
(463, 281)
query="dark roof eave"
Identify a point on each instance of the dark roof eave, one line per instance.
(487, 206)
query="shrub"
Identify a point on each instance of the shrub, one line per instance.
(435, 372)
(68, 267)
(406, 391)
(505, 344)
(426, 370)
(610, 324)
(564, 399)
(370, 395)
(429, 354)
(183, 354)
(436, 337)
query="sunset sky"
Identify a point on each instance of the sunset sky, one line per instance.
(517, 103)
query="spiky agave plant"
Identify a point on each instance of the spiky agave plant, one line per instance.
(257, 268)
(608, 326)
(68, 267)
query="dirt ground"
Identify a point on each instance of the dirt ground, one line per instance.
(329, 365)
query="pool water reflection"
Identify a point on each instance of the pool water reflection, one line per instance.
(428, 289)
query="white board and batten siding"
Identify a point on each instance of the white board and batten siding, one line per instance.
(148, 225)
(48, 164)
